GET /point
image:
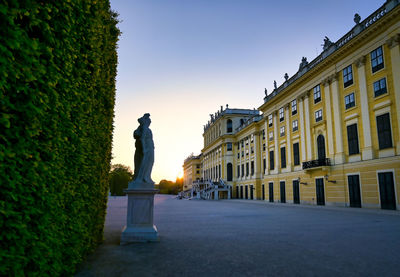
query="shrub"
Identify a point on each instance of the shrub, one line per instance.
(57, 90)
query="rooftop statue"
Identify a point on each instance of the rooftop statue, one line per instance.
(327, 43)
(286, 76)
(265, 91)
(357, 18)
(303, 63)
(144, 154)
(275, 86)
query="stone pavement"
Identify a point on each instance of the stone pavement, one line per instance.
(251, 238)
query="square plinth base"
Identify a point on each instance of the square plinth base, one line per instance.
(139, 234)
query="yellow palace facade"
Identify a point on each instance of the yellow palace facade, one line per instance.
(329, 135)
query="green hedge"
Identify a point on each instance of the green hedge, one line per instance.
(57, 91)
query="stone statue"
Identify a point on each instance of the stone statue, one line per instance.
(327, 43)
(286, 77)
(266, 91)
(144, 154)
(357, 18)
(303, 63)
(275, 86)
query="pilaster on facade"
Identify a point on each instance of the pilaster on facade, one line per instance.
(308, 125)
(276, 140)
(337, 119)
(394, 46)
(366, 150)
(288, 141)
(301, 126)
(328, 113)
(266, 171)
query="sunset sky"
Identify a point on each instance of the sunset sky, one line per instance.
(180, 60)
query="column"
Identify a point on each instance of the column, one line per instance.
(288, 141)
(301, 126)
(366, 151)
(266, 146)
(393, 44)
(328, 114)
(256, 149)
(276, 159)
(337, 119)
(308, 126)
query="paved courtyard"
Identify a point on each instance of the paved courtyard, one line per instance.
(251, 238)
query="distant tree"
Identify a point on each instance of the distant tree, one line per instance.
(169, 187)
(120, 175)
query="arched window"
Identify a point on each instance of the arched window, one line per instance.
(229, 172)
(229, 126)
(321, 147)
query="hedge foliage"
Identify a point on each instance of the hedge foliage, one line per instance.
(57, 91)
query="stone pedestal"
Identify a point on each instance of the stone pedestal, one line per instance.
(139, 224)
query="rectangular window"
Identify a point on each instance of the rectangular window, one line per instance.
(247, 152)
(281, 114)
(263, 134)
(377, 59)
(318, 115)
(242, 153)
(242, 170)
(296, 154)
(317, 94)
(247, 169)
(229, 146)
(349, 101)
(380, 87)
(252, 168)
(263, 146)
(247, 140)
(270, 120)
(252, 137)
(252, 150)
(197, 171)
(294, 107)
(347, 76)
(238, 145)
(264, 165)
(271, 160)
(295, 125)
(238, 155)
(271, 136)
(238, 171)
(384, 131)
(283, 157)
(352, 139)
(282, 131)
(242, 142)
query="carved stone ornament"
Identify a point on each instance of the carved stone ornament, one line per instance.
(360, 61)
(393, 41)
(333, 78)
(326, 82)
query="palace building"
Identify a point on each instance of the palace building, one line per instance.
(329, 135)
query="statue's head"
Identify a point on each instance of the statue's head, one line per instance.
(145, 120)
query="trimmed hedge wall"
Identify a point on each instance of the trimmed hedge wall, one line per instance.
(57, 90)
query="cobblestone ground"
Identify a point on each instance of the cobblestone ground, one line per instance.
(251, 238)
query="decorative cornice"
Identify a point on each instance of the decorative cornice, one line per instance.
(360, 61)
(393, 41)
